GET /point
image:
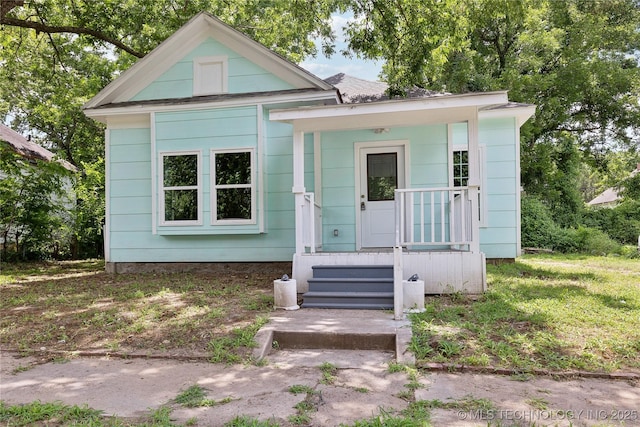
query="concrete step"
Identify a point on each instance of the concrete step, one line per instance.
(350, 285)
(353, 271)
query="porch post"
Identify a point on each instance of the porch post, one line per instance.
(474, 180)
(298, 187)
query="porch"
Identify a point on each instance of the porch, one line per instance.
(436, 237)
(384, 193)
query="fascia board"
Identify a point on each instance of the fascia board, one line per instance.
(188, 37)
(392, 106)
(102, 114)
(522, 114)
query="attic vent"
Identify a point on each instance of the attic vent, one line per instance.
(209, 75)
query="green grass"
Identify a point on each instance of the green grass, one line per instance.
(196, 397)
(541, 312)
(70, 306)
(329, 372)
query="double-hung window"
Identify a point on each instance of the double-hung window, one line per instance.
(233, 192)
(180, 195)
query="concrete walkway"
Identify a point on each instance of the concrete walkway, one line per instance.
(360, 388)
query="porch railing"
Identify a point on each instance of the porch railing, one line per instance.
(434, 217)
(311, 223)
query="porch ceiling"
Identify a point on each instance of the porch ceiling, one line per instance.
(440, 109)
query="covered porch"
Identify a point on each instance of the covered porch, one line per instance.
(398, 202)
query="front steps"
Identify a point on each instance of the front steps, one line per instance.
(350, 287)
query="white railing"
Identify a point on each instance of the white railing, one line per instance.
(445, 216)
(311, 223)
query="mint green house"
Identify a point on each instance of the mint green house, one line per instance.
(219, 150)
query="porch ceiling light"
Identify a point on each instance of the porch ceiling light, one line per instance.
(381, 130)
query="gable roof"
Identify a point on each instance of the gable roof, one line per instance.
(190, 35)
(28, 149)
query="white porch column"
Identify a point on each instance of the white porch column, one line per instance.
(298, 187)
(474, 179)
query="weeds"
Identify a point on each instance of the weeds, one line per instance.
(195, 397)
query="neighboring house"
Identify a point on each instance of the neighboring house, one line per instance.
(610, 197)
(27, 149)
(220, 150)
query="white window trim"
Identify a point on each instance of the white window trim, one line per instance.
(482, 159)
(162, 188)
(197, 73)
(214, 188)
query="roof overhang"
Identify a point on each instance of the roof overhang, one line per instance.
(406, 112)
(281, 99)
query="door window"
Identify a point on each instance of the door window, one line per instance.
(382, 176)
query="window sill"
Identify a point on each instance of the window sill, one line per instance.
(208, 230)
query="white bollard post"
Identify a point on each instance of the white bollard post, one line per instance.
(285, 295)
(413, 296)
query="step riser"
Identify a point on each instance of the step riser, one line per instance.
(349, 306)
(382, 301)
(343, 272)
(346, 286)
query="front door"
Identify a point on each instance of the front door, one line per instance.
(381, 172)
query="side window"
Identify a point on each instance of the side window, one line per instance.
(233, 193)
(180, 188)
(460, 168)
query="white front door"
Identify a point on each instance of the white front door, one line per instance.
(381, 172)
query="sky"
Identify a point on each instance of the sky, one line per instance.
(324, 67)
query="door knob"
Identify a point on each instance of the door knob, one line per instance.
(362, 206)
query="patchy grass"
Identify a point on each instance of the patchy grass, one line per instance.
(196, 397)
(58, 415)
(548, 312)
(73, 306)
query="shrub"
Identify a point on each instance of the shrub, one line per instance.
(538, 227)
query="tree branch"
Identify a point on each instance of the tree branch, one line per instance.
(51, 29)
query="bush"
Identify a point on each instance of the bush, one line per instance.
(595, 242)
(539, 230)
(621, 223)
(538, 227)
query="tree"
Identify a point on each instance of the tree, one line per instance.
(576, 60)
(33, 195)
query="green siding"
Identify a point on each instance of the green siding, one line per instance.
(131, 237)
(244, 76)
(130, 185)
(427, 167)
(498, 239)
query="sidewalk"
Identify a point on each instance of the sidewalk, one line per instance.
(360, 389)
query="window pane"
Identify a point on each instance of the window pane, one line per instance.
(234, 203)
(181, 205)
(233, 168)
(180, 171)
(382, 176)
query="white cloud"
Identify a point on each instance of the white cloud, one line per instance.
(325, 67)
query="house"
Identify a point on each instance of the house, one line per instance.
(29, 150)
(609, 198)
(219, 150)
